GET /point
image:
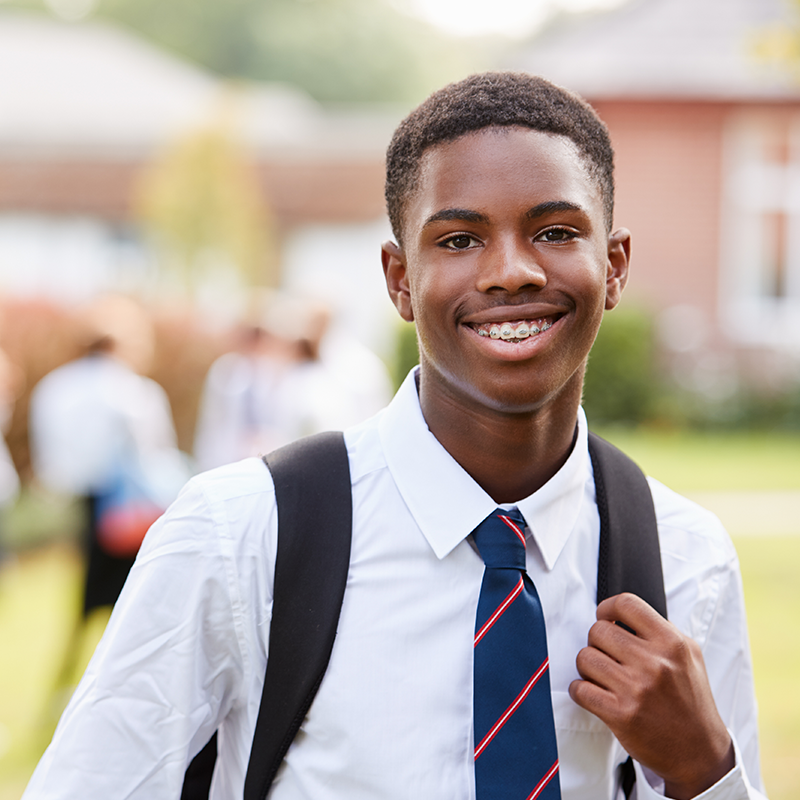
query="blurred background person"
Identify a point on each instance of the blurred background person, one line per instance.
(292, 376)
(103, 432)
(238, 414)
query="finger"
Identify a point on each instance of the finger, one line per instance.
(593, 698)
(633, 613)
(599, 668)
(616, 641)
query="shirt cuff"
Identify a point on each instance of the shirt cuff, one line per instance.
(733, 786)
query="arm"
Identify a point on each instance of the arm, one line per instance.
(166, 673)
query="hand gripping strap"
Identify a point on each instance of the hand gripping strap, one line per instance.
(314, 500)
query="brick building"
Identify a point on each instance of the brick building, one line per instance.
(707, 139)
(85, 108)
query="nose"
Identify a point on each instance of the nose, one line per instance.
(510, 266)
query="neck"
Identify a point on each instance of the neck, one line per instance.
(510, 455)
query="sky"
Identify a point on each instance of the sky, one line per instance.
(516, 18)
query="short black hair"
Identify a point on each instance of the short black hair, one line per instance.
(495, 99)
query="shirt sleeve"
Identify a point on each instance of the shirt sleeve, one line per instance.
(167, 671)
(733, 786)
(710, 607)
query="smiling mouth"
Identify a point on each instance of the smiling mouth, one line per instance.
(514, 331)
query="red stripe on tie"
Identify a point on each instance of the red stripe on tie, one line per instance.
(514, 527)
(499, 612)
(508, 713)
(551, 773)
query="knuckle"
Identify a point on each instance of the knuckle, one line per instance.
(577, 691)
(663, 671)
(585, 659)
(598, 631)
(694, 649)
(627, 602)
(678, 648)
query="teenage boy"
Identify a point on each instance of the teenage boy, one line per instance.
(500, 195)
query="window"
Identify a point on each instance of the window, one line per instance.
(760, 248)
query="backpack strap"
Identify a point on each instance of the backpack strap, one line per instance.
(312, 483)
(629, 557)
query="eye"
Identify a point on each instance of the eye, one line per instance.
(461, 241)
(556, 235)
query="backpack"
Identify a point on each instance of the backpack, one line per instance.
(312, 482)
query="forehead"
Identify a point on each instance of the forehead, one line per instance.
(493, 169)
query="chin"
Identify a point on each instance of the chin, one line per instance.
(529, 398)
(508, 400)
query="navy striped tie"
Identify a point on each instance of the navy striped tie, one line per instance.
(515, 742)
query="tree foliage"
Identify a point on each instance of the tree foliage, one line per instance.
(337, 50)
(200, 203)
(777, 44)
(621, 384)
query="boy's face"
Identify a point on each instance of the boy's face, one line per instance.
(505, 228)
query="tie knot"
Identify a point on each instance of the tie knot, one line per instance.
(500, 539)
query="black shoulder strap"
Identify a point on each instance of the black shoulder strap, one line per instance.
(312, 483)
(629, 557)
(312, 486)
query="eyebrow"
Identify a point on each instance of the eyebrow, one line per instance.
(467, 215)
(447, 214)
(552, 207)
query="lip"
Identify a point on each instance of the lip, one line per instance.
(506, 313)
(502, 350)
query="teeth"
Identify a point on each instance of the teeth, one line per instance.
(507, 331)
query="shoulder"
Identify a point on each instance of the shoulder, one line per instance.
(60, 379)
(245, 477)
(699, 561)
(688, 528)
(229, 509)
(244, 482)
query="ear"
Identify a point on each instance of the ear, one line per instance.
(619, 254)
(395, 273)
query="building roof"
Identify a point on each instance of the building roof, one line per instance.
(88, 88)
(677, 49)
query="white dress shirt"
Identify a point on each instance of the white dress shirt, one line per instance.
(186, 648)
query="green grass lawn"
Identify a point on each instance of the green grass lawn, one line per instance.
(39, 596)
(38, 601)
(710, 462)
(770, 567)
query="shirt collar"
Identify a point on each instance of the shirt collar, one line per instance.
(448, 504)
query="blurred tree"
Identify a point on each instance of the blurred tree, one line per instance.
(621, 384)
(337, 50)
(202, 207)
(779, 42)
(406, 354)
